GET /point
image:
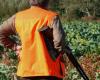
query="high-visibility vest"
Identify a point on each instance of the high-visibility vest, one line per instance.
(34, 56)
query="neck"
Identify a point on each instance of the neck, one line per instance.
(39, 6)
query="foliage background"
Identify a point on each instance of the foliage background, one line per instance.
(81, 22)
(71, 9)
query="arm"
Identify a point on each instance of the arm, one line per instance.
(59, 44)
(58, 35)
(54, 37)
(7, 29)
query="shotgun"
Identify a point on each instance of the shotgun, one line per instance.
(75, 63)
(53, 53)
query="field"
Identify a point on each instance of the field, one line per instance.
(84, 40)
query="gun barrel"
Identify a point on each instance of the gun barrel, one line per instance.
(77, 65)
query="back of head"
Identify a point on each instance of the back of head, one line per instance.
(41, 3)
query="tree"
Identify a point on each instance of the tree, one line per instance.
(69, 8)
(79, 8)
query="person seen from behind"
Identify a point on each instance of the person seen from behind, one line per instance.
(42, 42)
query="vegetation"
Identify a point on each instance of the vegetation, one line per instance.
(69, 9)
(10, 7)
(84, 40)
(83, 36)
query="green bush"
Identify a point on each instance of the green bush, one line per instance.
(83, 37)
(97, 76)
(74, 75)
(10, 7)
(7, 72)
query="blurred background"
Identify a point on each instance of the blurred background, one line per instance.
(81, 22)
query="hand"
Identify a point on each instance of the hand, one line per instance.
(17, 49)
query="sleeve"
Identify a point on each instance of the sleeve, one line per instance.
(7, 29)
(58, 34)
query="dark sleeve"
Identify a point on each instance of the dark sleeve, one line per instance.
(7, 29)
(58, 34)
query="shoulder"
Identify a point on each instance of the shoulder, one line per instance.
(48, 12)
(52, 13)
(22, 12)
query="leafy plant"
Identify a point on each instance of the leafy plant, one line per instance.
(74, 75)
(97, 76)
(7, 72)
(83, 37)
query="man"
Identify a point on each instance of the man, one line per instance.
(42, 39)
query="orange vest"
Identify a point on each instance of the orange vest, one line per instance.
(34, 56)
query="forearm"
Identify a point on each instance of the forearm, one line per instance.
(58, 35)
